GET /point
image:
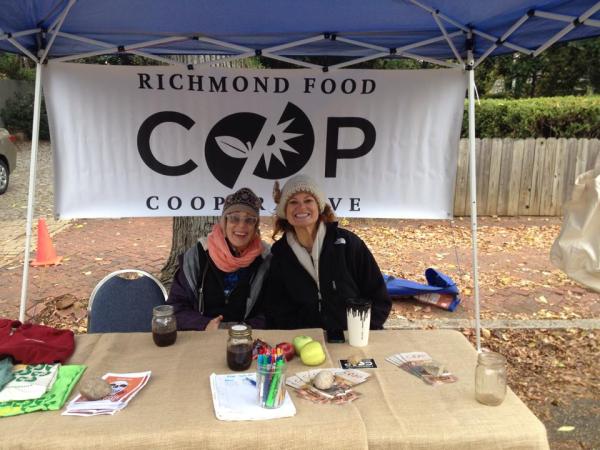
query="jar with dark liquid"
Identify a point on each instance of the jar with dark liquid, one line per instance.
(239, 347)
(164, 325)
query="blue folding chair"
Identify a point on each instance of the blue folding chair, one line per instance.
(124, 305)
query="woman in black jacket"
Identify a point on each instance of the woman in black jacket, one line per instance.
(219, 280)
(316, 265)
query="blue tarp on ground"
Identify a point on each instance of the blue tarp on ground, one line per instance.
(437, 283)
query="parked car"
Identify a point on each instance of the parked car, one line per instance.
(8, 158)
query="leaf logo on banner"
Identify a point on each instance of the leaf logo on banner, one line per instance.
(233, 147)
(245, 145)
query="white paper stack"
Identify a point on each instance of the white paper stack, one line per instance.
(235, 398)
(124, 387)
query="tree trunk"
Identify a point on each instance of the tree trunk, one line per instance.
(186, 232)
(534, 79)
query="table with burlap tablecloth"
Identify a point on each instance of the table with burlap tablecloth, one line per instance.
(401, 411)
(175, 409)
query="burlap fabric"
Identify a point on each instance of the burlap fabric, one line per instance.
(400, 411)
(175, 409)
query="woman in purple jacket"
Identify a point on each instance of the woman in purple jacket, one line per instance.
(219, 280)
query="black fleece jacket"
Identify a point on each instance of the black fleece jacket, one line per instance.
(347, 269)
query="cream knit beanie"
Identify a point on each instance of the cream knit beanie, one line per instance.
(298, 183)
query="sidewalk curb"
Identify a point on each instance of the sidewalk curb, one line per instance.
(403, 324)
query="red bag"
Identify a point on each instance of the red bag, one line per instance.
(35, 344)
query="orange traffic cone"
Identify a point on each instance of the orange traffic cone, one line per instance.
(46, 255)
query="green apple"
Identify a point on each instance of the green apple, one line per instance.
(312, 354)
(299, 342)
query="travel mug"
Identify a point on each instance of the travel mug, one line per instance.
(358, 313)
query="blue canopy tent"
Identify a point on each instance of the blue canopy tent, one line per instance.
(452, 33)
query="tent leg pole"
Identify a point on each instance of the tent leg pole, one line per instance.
(473, 190)
(35, 135)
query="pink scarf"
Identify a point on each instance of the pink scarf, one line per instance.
(221, 254)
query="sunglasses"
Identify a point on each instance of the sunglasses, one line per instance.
(236, 219)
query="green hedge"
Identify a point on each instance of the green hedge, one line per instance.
(17, 115)
(566, 117)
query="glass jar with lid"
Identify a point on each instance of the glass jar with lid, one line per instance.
(239, 347)
(164, 325)
(490, 378)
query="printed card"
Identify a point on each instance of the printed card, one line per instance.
(362, 364)
(423, 366)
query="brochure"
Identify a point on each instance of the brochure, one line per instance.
(340, 392)
(124, 386)
(423, 366)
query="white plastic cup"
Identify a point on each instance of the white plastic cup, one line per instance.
(358, 313)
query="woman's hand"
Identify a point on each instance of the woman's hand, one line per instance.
(214, 324)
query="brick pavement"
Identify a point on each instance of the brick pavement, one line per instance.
(94, 248)
(91, 250)
(13, 204)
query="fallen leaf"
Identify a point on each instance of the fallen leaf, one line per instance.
(566, 428)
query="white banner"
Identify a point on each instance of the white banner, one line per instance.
(163, 141)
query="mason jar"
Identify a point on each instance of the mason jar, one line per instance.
(164, 325)
(490, 378)
(239, 347)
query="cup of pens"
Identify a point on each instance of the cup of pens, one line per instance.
(270, 379)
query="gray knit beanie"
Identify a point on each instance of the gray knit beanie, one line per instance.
(298, 183)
